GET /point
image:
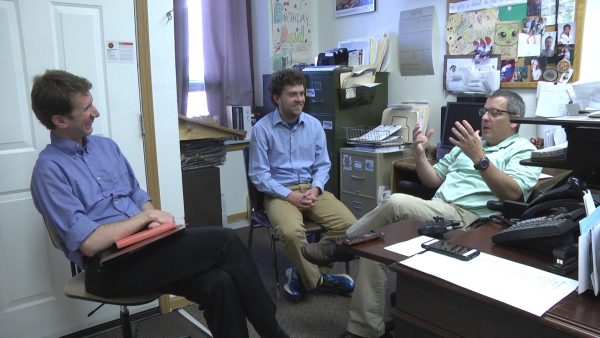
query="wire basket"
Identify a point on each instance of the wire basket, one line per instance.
(375, 136)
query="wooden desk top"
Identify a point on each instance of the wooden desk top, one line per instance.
(576, 314)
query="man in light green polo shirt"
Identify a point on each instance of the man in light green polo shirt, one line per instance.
(484, 165)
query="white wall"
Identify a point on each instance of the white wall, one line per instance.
(330, 30)
(327, 31)
(164, 92)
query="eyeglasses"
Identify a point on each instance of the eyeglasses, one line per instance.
(494, 112)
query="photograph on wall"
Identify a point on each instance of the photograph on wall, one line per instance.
(567, 33)
(548, 45)
(565, 52)
(464, 74)
(520, 74)
(351, 7)
(507, 71)
(534, 7)
(536, 67)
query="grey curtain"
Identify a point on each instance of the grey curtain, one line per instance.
(227, 55)
(180, 20)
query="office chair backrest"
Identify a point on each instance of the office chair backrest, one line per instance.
(256, 197)
(53, 235)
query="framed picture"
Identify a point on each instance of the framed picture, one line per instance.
(461, 70)
(351, 7)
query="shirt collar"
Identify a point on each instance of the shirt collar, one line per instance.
(505, 143)
(68, 146)
(277, 118)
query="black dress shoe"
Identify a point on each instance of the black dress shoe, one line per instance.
(352, 335)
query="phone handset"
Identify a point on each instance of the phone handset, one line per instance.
(548, 206)
(567, 197)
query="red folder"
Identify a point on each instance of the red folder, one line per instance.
(142, 235)
(136, 241)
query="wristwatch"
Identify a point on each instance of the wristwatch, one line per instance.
(483, 164)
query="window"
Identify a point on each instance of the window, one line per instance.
(197, 105)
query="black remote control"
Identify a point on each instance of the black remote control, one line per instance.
(438, 226)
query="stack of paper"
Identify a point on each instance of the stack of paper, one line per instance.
(589, 249)
(371, 52)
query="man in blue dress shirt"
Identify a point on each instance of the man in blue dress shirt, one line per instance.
(290, 164)
(86, 190)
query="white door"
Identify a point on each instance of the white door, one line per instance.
(73, 35)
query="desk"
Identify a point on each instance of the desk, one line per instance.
(583, 151)
(427, 306)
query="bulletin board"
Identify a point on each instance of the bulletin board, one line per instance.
(537, 40)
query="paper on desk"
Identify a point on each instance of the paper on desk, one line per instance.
(518, 285)
(589, 222)
(410, 247)
(358, 77)
(583, 269)
(588, 202)
(595, 253)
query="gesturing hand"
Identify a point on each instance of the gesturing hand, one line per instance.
(420, 140)
(467, 140)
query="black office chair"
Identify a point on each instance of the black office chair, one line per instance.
(75, 288)
(258, 218)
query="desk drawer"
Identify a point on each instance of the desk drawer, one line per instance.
(358, 205)
(361, 179)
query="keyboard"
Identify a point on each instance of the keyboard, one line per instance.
(539, 227)
(557, 152)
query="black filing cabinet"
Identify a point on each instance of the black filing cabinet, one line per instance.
(202, 197)
(339, 110)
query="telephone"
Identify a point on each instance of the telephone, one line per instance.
(566, 198)
(549, 221)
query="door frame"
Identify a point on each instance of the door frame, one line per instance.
(166, 302)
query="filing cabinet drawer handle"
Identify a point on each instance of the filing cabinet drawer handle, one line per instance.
(354, 177)
(357, 205)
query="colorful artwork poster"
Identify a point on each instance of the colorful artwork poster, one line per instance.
(463, 29)
(292, 24)
(506, 39)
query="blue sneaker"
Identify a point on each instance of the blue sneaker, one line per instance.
(293, 288)
(341, 284)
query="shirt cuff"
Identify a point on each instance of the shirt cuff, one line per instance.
(282, 192)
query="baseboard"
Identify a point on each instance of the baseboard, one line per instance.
(237, 217)
(114, 323)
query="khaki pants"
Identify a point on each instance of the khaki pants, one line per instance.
(288, 223)
(368, 301)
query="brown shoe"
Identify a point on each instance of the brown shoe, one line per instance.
(325, 253)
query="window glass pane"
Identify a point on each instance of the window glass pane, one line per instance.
(195, 40)
(197, 104)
